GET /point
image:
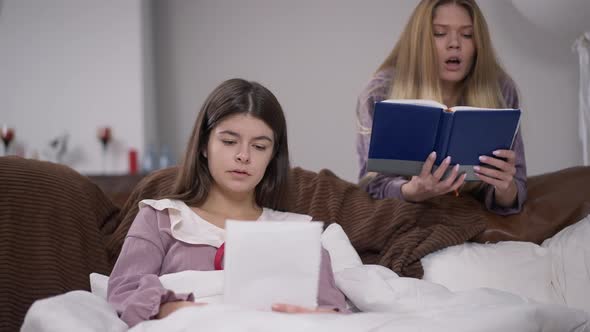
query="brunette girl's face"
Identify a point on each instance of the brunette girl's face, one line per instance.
(238, 152)
(453, 37)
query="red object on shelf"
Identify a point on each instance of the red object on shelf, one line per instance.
(132, 161)
(104, 135)
(7, 135)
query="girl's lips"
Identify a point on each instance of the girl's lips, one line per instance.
(452, 66)
(239, 173)
(453, 63)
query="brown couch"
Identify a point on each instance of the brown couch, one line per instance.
(56, 226)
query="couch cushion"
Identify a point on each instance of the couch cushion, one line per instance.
(52, 226)
(555, 201)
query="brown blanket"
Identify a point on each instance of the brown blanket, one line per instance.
(398, 234)
(389, 232)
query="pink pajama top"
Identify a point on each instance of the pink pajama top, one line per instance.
(167, 237)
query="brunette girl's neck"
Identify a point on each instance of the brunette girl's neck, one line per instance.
(221, 205)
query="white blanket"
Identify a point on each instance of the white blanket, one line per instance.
(400, 304)
(388, 302)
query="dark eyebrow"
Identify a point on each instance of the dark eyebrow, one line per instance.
(257, 138)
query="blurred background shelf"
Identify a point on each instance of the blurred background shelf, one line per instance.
(117, 187)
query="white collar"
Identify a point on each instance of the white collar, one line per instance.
(187, 226)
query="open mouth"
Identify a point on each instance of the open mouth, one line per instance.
(453, 64)
(453, 61)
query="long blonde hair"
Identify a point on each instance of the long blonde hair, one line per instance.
(414, 60)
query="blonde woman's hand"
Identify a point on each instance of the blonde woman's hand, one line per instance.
(428, 184)
(295, 309)
(170, 307)
(501, 176)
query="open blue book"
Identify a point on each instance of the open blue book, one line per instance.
(406, 131)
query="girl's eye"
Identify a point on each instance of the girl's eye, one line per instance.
(228, 142)
(260, 147)
(468, 35)
(439, 34)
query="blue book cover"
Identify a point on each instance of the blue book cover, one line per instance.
(405, 132)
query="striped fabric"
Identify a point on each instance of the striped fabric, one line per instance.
(389, 232)
(52, 221)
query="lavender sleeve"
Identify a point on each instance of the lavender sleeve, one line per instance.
(380, 186)
(389, 186)
(329, 296)
(134, 288)
(520, 178)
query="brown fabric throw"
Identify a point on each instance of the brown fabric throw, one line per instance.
(388, 232)
(51, 219)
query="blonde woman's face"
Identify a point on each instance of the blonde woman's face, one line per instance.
(453, 36)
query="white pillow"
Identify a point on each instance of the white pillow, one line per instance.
(521, 268)
(99, 285)
(571, 250)
(342, 253)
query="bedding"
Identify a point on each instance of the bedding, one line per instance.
(523, 268)
(388, 302)
(557, 271)
(571, 264)
(63, 212)
(484, 311)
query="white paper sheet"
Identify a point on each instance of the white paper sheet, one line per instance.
(272, 262)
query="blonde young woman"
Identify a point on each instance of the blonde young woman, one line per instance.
(445, 54)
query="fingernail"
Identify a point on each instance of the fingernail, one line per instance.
(482, 158)
(448, 160)
(496, 153)
(457, 167)
(476, 168)
(432, 154)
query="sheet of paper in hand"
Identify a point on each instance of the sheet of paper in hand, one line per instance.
(272, 262)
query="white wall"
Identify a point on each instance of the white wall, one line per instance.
(72, 66)
(317, 55)
(546, 71)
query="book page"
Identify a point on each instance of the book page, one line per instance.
(422, 102)
(471, 108)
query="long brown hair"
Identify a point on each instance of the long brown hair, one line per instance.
(414, 60)
(235, 96)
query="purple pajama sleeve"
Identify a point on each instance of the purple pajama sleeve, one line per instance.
(389, 186)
